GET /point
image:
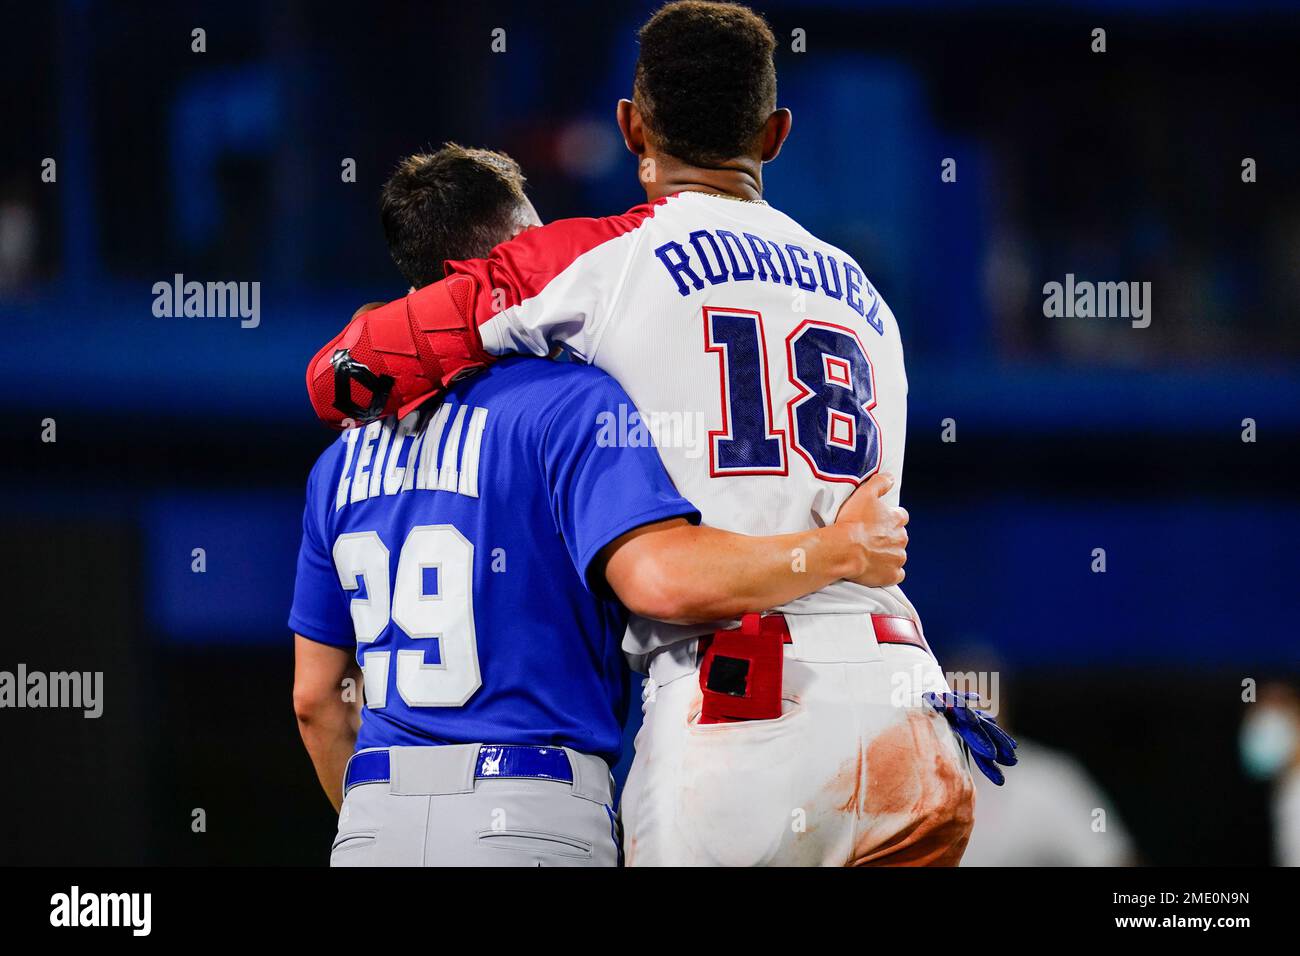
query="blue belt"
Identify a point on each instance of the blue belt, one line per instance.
(495, 760)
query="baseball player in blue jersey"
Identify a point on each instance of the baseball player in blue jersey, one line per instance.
(476, 562)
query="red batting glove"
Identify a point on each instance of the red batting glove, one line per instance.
(390, 359)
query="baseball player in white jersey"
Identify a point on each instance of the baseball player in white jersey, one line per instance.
(707, 301)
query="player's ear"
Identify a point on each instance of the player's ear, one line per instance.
(631, 126)
(775, 130)
(371, 306)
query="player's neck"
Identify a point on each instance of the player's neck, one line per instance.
(740, 178)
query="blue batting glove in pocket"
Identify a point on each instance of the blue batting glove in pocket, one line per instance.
(989, 744)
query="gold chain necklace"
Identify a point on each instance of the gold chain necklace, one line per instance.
(701, 192)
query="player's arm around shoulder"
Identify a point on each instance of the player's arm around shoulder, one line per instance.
(674, 571)
(393, 357)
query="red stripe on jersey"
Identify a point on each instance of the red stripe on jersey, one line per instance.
(522, 267)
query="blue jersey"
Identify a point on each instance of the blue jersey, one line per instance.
(454, 549)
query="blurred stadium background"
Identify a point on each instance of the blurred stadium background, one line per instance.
(183, 433)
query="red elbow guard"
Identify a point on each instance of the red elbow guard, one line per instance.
(392, 359)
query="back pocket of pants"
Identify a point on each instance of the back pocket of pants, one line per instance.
(350, 848)
(536, 841)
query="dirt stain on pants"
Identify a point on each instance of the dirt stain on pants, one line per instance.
(919, 803)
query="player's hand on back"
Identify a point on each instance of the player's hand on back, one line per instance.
(879, 528)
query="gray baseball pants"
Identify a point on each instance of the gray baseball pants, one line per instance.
(434, 811)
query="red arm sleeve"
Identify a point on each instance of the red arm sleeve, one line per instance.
(393, 358)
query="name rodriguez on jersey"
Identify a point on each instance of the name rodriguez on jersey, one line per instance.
(720, 255)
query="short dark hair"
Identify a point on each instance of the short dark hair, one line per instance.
(455, 203)
(705, 80)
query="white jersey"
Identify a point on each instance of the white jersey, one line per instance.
(765, 365)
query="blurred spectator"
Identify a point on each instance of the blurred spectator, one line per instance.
(1049, 813)
(17, 240)
(1270, 750)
